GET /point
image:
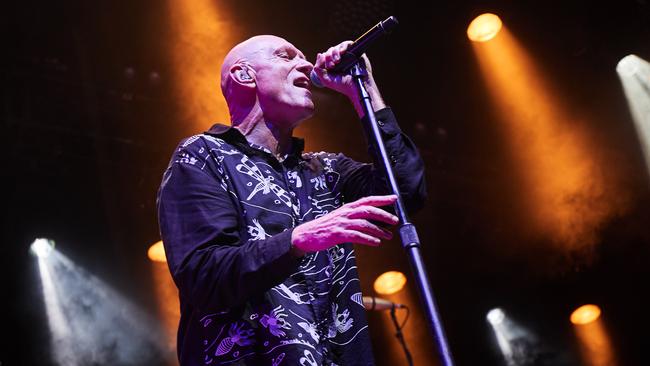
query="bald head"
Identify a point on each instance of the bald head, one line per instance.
(245, 54)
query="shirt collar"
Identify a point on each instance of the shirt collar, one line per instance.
(234, 136)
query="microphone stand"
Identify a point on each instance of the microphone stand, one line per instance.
(400, 336)
(408, 233)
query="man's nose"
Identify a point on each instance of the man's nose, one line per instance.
(305, 67)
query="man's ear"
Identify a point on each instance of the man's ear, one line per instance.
(242, 75)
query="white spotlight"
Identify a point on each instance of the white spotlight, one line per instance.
(634, 73)
(518, 346)
(42, 247)
(495, 316)
(628, 65)
(92, 324)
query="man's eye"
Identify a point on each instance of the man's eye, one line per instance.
(284, 55)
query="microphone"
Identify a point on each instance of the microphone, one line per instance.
(376, 303)
(357, 48)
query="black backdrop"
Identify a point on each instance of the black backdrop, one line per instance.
(85, 144)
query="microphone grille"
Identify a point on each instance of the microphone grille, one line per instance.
(315, 79)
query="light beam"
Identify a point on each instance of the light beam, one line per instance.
(567, 197)
(92, 324)
(634, 73)
(518, 346)
(202, 32)
(595, 346)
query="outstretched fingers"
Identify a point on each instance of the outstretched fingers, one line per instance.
(374, 214)
(369, 228)
(376, 201)
(357, 237)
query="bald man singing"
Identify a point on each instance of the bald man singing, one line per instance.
(259, 234)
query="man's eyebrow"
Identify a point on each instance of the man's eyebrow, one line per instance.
(282, 48)
(290, 50)
(297, 52)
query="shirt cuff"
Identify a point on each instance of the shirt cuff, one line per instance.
(387, 122)
(282, 255)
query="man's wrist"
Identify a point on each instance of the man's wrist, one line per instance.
(375, 98)
(295, 251)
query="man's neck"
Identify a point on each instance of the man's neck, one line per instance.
(264, 133)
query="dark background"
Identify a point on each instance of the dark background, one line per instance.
(85, 144)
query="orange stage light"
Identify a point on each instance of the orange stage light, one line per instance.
(202, 32)
(595, 346)
(585, 314)
(566, 194)
(167, 302)
(156, 252)
(484, 27)
(390, 282)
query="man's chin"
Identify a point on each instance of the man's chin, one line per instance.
(308, 110)
(302, 111)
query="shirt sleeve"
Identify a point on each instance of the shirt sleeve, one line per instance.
(360, 180)
(199, 223)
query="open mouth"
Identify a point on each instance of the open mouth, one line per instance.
(302, 82)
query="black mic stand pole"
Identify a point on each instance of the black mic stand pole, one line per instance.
(407, 231)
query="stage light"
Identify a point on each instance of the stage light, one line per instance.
(564, 194)
(166, 292)
(201, 32)
(91, 323)
(595, 346)
(156, 252)
(42, 247)
(585, 314)
(167, 301)
(484, 27)
(629, 65)
(495, 316)
(517, 344)
(389, 282)
(634, 74)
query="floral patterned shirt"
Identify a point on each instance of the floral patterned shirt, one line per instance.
(227, 209)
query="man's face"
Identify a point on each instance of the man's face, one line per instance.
(282, 80)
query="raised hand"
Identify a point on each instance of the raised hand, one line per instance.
(344, 84)
(350, 223)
